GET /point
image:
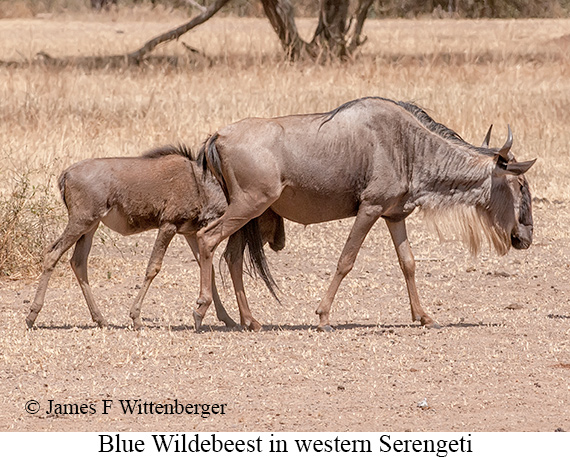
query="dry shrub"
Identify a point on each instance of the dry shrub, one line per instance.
(15, 9)
(28, 216)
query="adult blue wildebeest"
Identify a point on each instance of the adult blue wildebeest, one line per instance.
(369, 158)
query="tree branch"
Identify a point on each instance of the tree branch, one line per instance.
(136, 56)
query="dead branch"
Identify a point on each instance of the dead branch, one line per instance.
(138, 55)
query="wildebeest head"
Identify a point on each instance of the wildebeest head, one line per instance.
(510, 194)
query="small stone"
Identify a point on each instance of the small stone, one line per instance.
(423, 404)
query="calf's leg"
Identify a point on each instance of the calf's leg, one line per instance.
(73, 231)
(79, 266)
(165, 234)
(221, 312)
(235, 265)
(239, 212)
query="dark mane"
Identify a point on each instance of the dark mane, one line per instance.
(525, 215)
(440, 129)
(423, 117)
(162, 151)
(430, 124)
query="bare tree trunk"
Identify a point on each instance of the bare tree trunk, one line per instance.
(331, 30)
(333, 37)
(139, 54)
(353, 39)
(100, 4)
(282, 17)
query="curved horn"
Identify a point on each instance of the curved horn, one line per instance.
(487, 138)
(504, 151)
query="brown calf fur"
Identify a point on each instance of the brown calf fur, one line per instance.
(163, 189)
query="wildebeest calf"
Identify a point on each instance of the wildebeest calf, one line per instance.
(163, 189)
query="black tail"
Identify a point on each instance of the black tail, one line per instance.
(209, 158)
(250, 236)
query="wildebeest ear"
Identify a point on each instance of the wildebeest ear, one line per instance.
(518, 168)
(513, 168)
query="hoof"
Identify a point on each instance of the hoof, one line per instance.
(254, 326)
(203, 302)
(100, 321)
(429, 323)
(137, 324)
(31, 318)
(230, 323)
(251, 325)
(197, 320)
(325, 328)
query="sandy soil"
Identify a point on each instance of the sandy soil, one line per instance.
(501, 361)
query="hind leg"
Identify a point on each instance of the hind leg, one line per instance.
(221, 312)
(68, 238)
(239, 212)
(165, 234)
(79, 266)
(235, 265)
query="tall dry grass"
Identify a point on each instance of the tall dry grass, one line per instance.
(468, 74)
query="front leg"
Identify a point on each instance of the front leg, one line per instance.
(365, 219)
(165, 234)
(205, 254)
(408, 266)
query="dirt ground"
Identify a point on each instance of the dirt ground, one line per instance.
(500, 362)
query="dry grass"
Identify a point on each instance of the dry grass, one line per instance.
(490, 368)
(468, 74)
